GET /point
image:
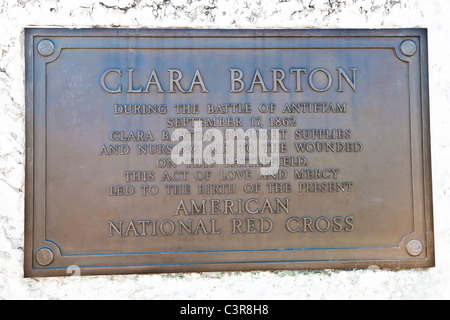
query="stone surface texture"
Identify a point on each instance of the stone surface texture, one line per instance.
(15, 15)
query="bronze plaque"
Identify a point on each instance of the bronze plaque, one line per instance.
(214, 150)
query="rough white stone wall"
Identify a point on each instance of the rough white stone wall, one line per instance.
(15, 15)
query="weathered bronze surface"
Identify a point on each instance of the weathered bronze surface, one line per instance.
(343, 113)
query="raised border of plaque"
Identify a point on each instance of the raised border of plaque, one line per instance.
(46, 257)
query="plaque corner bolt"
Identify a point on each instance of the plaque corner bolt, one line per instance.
(44, 256)
(46, 47)
(408, 48)
(414, 247)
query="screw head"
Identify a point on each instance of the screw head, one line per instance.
(46, 48)
(414, 247)
(44, 256)
(408, 47)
